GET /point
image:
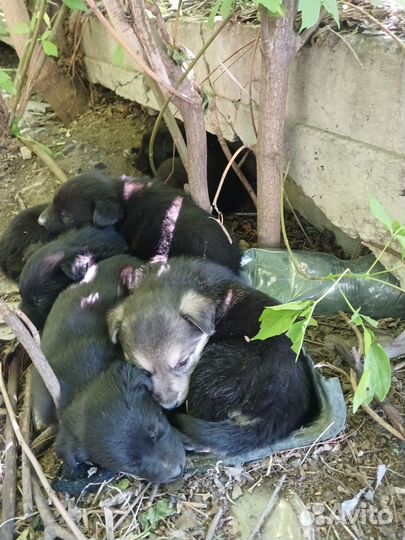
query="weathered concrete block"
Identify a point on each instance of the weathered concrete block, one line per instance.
(345, 121)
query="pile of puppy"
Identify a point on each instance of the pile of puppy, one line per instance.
(144, 317)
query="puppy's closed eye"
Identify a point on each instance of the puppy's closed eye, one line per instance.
(183, 363)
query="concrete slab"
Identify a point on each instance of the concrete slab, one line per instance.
(345, 120)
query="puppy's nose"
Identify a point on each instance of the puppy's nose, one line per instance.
(178, 472)
(170, 404)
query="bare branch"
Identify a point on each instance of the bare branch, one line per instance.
(124, 41)
(33, 350)
(26, 431)
(10, 458)
(36, 465)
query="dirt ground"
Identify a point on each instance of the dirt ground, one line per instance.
(321, 477)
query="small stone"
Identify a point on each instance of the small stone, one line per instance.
(25, 152)
(236, 493)
(318, 508)
(320, 520)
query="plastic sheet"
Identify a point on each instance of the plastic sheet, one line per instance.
(272, 271)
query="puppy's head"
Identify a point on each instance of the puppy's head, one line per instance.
(89, 198)
(117, 424)
(164, 334)
(163, 149)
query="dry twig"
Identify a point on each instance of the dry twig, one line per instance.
(33, 350)
(269, 508)
(10, 457)
(26, 431)
(52, 529)
(36, 465)
(214, 524)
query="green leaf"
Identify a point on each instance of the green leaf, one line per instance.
(369, 339)
(296, 333)
(275, 7)
(47, 20)
(331, 7)
(310, 10)
(76, 5)
(118, 56)
(274, 323)
(295, 306)
(45, 35)
(364, 393)
(377, 361)
(370, 321)
(356, 318)
(50, 49)
(380, 213)
(6, 82)
(43, 147)
(398, 228)
(151, 517)
(226, 8)
(15, 127)
(24, 535)
(123, 484)
(21, 28)
(214, 12)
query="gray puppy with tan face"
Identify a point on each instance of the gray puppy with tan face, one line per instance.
(173, 311)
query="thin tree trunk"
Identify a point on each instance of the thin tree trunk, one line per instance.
(121, 25)
(278, 44)
(191, 111)
(67, 97)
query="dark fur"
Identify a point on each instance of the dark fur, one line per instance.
(139, 208)
(170, 169)
(22, 232)
(51, 268)
(116, 423)
(175, 309)
(106, 413)
(244, 396)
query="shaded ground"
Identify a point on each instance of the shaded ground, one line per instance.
(321, 477)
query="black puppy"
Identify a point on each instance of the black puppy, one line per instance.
(176, 308)
(170, 169)
(245, 396)
(115, 422)
(22, 232)
(155, 219)
(106, 413)
(53, 267)
(163, 148)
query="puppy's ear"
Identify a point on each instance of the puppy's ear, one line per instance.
(130, 278)
(147, 382)
(114, 320)
(106, 213)
(199, 311)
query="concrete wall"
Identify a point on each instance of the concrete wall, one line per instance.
(345, 131)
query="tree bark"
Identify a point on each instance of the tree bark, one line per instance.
(67, 97)
(278, 44)
(191, 111)
(121, 25)
(169, 73)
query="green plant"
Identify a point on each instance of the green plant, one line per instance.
(310, 9)
(6, 82)
(294, 318)
(154, 514)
